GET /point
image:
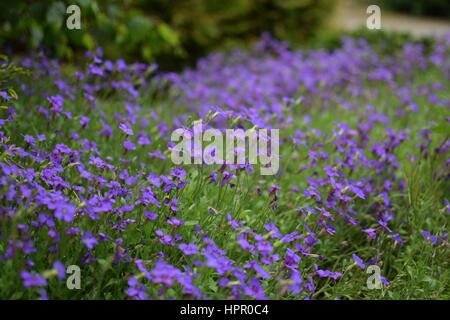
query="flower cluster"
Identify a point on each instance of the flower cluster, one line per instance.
(85, 179)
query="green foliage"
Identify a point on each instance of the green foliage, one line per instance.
(205, 25)
(8, 74)
(117, 26)
(169, 32)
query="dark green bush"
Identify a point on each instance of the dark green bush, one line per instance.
(171, 32)
(438, 8)
(117, 26)
(422, 7)
(209, 24)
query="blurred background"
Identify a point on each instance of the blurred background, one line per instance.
(175, 33)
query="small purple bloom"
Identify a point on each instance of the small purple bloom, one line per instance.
(188, 248)
(32, 279)
(89, 240)
(128, 145)
(126, 128)
(150, 215)
(359, 261)
(60, 269)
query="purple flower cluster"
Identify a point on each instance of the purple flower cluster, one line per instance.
(86, 179)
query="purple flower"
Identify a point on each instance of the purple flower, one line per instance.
(179, 173)
(272, 228)
(433, 239)
(226, 177)
(126, 128)
(261, 271)
(157, 154)
(29, 140)
(331, 172)
(396, 237)
(359, 261)
(175, 222)
(327, 273)
(56, 103)
(89, 240)
(143, 141)
(128, 145)
(84, 121)
(311, 240)
(263, 245)
(188, 248)
(165, 273)
(150, 215)
(136, 290)
(371, 233)
(32, 279)
(60, 269)
(384, 225)
(291, 237)
(5, 95)
(274, 189)
(65, 211)
(94, 69)
(43, 294)
(165, 238)
(384, 280)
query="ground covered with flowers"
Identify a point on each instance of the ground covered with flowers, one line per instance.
(86, 177)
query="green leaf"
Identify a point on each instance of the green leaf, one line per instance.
(168, 34)
(88, 41)
(443, 127)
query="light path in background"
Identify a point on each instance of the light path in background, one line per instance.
(352, 16)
